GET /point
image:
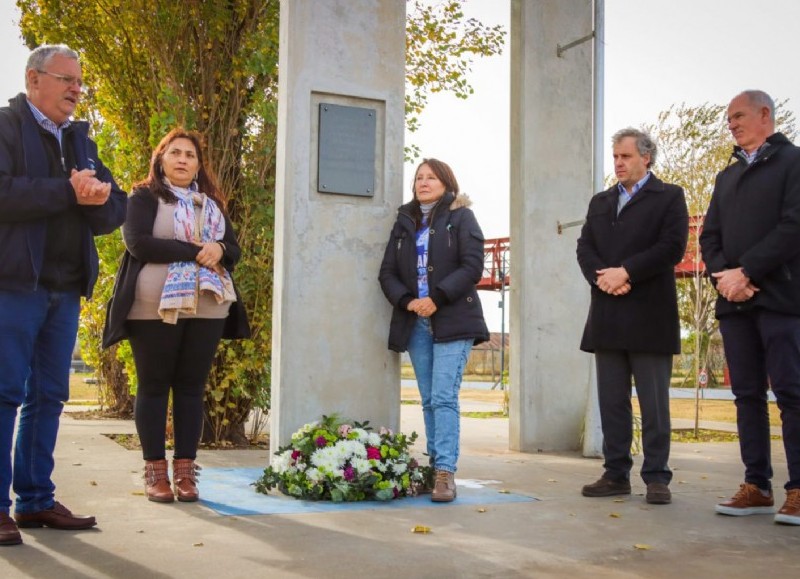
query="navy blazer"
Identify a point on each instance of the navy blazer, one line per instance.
(29, 195)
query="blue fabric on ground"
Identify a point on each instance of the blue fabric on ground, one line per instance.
(228, 491)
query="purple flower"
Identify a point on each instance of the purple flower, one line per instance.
(373, 453)
(396, 492)
(296, 454)
(321, 441)
(349, 473)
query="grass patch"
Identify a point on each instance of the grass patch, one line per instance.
(131, 442)
(493, 414)
(711, 410)
(80, 391)
(703, 435)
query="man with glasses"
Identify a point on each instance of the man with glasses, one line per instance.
(55, 196)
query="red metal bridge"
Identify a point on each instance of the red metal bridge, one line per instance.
(496, 254)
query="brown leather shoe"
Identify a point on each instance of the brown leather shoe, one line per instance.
(658, 494)
(605, 487)
(444, 488)
(9, 533)
(156, 481)
(184, 473)
(59, 517)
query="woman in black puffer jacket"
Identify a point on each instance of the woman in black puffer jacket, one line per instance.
(432, 263)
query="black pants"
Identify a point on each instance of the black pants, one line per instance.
(178, 357)
(763, 349)
(651, 373)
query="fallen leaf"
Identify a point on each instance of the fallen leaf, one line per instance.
(93, 483)
(197, 544)
(420, 529)
(481, 510)
(76, 464)
(504, 492)
(619, 500)
(615, 515)
(642, 547)
(552, 480)
(138, 493)
(140, 531)
(681, 482)
(704, 477)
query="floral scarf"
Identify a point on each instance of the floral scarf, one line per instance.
(186, 279)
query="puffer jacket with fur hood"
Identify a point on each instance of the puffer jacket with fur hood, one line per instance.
(455, 265)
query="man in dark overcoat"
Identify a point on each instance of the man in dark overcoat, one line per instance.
(634, 235)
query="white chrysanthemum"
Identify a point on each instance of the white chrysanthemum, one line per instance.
(314, 475)
(356, 449)
(381, 466)
(399, 468)
(361, 433)
(374, 439)
(327, 458)
(361, 465)
(341, 451)
(281, 462)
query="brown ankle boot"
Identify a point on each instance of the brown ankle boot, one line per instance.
(156, 481)
(444, 488)
(184, 473)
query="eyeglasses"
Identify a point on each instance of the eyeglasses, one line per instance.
(66, 79)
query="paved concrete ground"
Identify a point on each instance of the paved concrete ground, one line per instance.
(562, 535)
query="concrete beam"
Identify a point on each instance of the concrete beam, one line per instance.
(330, 319)
(551, 183)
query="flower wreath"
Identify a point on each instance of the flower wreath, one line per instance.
(333, 460)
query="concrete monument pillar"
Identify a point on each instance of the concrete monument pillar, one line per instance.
(338, 184)
(551, 183)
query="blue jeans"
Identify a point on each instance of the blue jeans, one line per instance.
(438, 367)
(37, 336)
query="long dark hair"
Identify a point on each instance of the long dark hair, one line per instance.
(206, 183)
(444, 173)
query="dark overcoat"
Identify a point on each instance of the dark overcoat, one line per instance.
(647, 238)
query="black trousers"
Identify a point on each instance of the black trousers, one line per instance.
(173, 357)
(762, 349)
(651, 373)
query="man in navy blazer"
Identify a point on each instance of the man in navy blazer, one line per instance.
(634, 235)
(55, 196)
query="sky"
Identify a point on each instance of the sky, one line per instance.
(657, 53)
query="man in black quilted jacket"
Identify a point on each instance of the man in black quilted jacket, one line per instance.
(751, 247)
